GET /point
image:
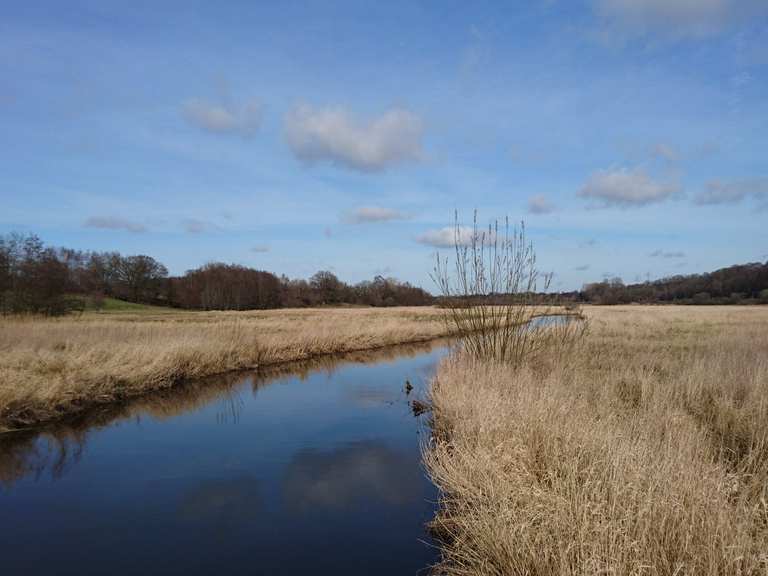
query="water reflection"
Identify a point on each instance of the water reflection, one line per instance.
(52, 451)
(33, 454)
(362, 473)
(309, 469)
(368, 397)
(223, 500)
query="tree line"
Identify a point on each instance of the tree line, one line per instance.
(35, 278)
(740, 284)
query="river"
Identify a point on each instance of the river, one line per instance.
(316, 470)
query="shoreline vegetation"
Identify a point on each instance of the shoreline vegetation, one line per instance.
(55, 367)
(52, 368)
(641, 449)
(55, 447)
(642, 443)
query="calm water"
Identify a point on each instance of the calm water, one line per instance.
(317, 472)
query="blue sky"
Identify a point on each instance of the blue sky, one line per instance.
(630, 135)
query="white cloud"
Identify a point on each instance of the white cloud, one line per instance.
(333, 135)
(626, 188)
(366, 214)
(719, 192)
(676, 18)
(114, 223)
(449, 236)
(223, 118)
(539, 204)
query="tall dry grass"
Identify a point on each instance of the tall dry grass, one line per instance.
(56, 448)
(643, 451)
(54, 367)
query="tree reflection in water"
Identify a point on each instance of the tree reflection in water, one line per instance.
(56, 449)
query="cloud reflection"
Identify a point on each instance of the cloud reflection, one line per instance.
(225, 499)
(363, 472)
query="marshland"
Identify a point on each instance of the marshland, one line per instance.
(53, 367)
(641, 450)
(642, 442)
(388, 288)
(540, 437)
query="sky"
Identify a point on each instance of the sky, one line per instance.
(630, 136)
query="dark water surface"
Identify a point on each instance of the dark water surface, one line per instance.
(311, 472)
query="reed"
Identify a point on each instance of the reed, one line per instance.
(55, 367)
(641, 450)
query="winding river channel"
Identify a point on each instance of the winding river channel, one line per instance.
(316, 470)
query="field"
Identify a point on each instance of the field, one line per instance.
(55, 367)
(642, 451)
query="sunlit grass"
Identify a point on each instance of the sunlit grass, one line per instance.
(52, 367)
(644, 450)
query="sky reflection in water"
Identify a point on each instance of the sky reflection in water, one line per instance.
(305, 472)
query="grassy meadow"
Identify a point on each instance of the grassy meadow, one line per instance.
(50, 367)
(641, 451)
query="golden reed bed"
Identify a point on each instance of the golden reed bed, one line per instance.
(54, 367)
(644, 451)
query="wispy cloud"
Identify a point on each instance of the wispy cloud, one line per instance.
(260, 249)
(539, 204)
(450, 236)
(663, 151)
(719, 192)
(667, 254)
(114, 223)
(368, 214)
(194, 226)
(673, 18)
(243, 120)
(334, 135)
(582, 268)
(624, 188)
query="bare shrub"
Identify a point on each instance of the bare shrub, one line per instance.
(491, 294)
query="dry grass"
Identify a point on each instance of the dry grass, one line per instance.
(54, 367)
(56, 448)
(644, 451)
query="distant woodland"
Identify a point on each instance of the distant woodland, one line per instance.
(40, 279)
(740, 284)
(35, 278)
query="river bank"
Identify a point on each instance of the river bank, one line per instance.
(642, 450)
(312, 468)
(51, 368)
